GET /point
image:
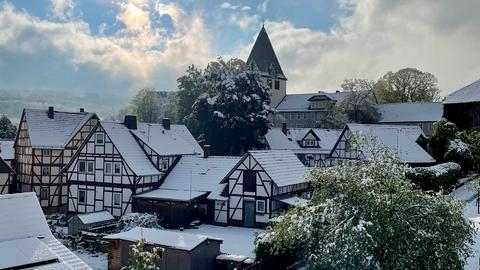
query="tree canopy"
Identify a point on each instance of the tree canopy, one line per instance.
(369, 216)
(360, 102)
(7, 129)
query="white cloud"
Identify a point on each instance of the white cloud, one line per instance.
(227, 5)
(440, 37)
(262, 7)
(245, 21)
(62, 9)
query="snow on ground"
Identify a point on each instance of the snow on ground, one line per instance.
(97, 261)
(236, 240)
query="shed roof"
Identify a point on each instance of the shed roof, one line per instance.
(399, 139)
(94, 217)
(129, 149)
(469, 93)
(410, 112)
(301, 103)
(54, 133)
(6, 149)
(26, 230)
(176, 240)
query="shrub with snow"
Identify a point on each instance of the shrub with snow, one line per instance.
(438, 177)
(142, 259)
(132, 220)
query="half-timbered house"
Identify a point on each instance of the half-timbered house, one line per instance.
(119, 160)
(311, 145)
(259, 184)
(46, 140)
(403, 141)
(6, 166)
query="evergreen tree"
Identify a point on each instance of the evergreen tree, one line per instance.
(141, 259)
(7, 129)
(369, 216)
(190, 87)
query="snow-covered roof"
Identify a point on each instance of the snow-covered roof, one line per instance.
(297, 201)
(469, 93)
(171, 195)
(129, 149)
(95, 217)
(283, 166)
(54, 133)
(300, 102)
(25, 236)
(174, 141)
(6, 149)
(411, 112)
(277, 140)
(176, 240)
(202, 174)
(398, 139)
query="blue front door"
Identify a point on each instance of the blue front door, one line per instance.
(249, 214)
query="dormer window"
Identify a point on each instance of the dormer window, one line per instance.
(310, 143)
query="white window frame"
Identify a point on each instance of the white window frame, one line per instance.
(88, 166)
(84, 196)
(257, 209)
(84, 166)
(44, 191)
(115, 168)
(309, 142)
(46, 152)
(115, 194)
(97, 136)
(105, 167)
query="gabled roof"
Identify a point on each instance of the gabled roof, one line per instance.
(57, 132)
(198, 174)
(410, 112)
(174, 141)
(94, 217)
(283, 166)
(6, 149)
(469, 93)
(264, 56)
(176, 240)
(277, 140)
(300, 102)
(400, 140)
(25, 236)
(129, 149)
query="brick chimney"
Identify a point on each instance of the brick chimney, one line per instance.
(82, 110)
(130, 121)
(51, 112)
(206, 151)
(166, 123)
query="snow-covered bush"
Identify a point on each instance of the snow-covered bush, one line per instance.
(438, 177)
(443, 132)
(459, 152)
(132, 220)
(142, 259)
(369, 216)
(472, 139)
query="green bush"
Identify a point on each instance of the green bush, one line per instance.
(472, 138)
(459, 152)
(278, 261)
(439, 177)
(443, 132)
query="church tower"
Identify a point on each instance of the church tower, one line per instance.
(263, 57)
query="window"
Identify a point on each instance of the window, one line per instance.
(269, 83)
(277, 84)
(82, 194)
(299, 115)
(81, 166)
(45, 170)
(90, 166)
(108, 167)
(310, 143)
(44, 193)
(46, 152)
(117, 168)
(117, 199)
(99, 138)
(164, 164)
(261, 206)
(249, 181)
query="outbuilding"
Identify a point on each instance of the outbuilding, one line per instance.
(88, 221)
(177, 250)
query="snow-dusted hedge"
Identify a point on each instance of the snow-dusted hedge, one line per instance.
(132, 220)
(441, 176)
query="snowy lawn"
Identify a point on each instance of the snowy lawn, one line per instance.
(236, 240)
(97, 261)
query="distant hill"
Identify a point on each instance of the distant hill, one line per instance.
(12, 102)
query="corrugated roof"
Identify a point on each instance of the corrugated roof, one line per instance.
(129, 149)
(6, 149)
(283, 166)
(26, 221)
(398, 139)
(174, 141)
(411, 112)
(469, 93)
(263, 55)
(54, 133)
(277, 140)
(299, 102)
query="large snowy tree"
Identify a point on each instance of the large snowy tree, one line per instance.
(369, 216)
(360, 101)
(234, 110)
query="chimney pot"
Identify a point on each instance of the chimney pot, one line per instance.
(284, 128)
(50, 112)
(166, 123)
(338, 91)
(82, 110)
(206, 151)
(130, 121)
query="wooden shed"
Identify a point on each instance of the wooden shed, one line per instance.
(180, 251)
(85, 222)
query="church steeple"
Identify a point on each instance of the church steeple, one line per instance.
(264, 56)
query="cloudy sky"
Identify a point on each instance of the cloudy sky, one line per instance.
(120, 46)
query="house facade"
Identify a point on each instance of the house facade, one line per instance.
(46, 141)
(7, 173)
(462, 107)
(259, 184)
